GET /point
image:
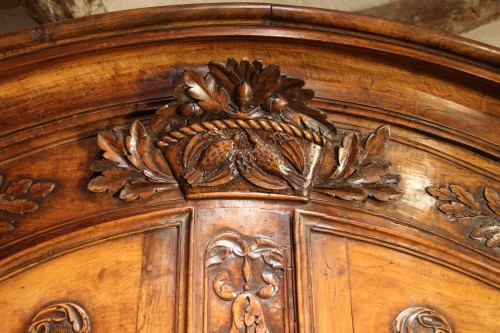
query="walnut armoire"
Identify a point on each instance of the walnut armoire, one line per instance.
(248, 168)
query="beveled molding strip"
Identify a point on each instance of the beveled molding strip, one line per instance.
(420, 319)
(243, 129)
(21, 197)
(480, 206)
(62, 317)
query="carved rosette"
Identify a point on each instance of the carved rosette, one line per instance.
(21, 197)
(245, 276)
(62, 317)
(420, 320)
(243, 127)
(482, 207)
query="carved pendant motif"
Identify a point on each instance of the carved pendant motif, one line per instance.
(62, 317)
(253, 274)
(483, 208)
(243, 127)
(420, 320)
(21, 197)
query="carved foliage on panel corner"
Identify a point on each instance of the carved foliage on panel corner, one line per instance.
(243, 127)
(244, 283)
(21, 197)
(482, 206)
(420, 319)
(62, 317)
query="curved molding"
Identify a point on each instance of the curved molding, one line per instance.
(243, 127)
(69, 317)
(418, 318)
(91, 234)
(263, 22)
(277, 14)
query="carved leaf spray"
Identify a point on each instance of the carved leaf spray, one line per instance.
(462, 204)
(247, 311)
(21, 197)
(244, 127)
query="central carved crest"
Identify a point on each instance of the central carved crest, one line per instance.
(243, 128)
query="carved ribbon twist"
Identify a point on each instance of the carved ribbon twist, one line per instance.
(257, 124)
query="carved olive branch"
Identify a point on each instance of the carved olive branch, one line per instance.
(460, 204)
(131, 165)
(358, 175)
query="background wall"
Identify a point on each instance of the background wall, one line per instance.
(475, 19)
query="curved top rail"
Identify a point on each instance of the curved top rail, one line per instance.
(124, 22)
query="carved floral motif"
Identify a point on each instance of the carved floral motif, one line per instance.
(63, 317)
(482, 207)
(21, 197)
(420, 320)
(248, 313)
(243, 127)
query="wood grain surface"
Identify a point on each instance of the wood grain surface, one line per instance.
(354, 188)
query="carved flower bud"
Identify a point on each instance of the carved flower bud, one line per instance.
(243, 93)
(274, 104)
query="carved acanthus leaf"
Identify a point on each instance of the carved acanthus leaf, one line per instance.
(420, 319)
(21, 197)
(460, 204)
(62, 317)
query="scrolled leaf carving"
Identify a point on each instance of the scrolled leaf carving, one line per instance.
(459, 203)
(22, 197)
(242, 127)
(248, 313)
(420, 319)
(62, 317)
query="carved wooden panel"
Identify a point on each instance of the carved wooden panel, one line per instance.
(248, 289)
(128, 274)
(344, 265)
(241, 271)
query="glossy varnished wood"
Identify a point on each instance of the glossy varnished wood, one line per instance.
(285, 232)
